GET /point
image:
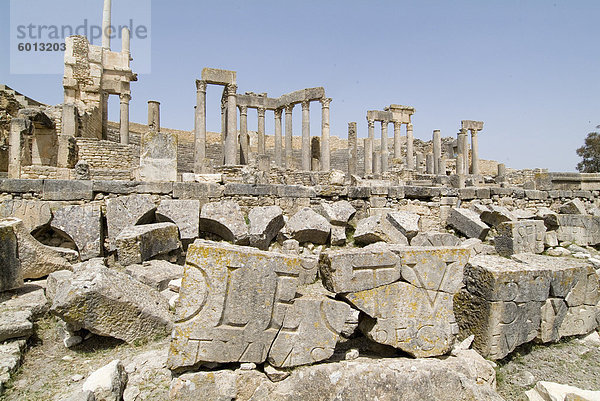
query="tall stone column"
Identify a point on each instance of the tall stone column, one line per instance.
(419, 166)
(124, 119)
(368, 147)
(474, 153)
(437, 151)
(410, 156)
(371, 136)
(384, 146)
(231, 137)
(352, 148)
(460, 165)
(465, 152)
(306, 135)
(325, 148)
(278, 144)
(289, 156)
(223, 127)
(261, 131)
(106, 25)
(154, 115)
(429, 163)
(397, 140)
(244, 148)
(200, 127)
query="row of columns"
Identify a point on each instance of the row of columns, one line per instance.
(462, 158)
(378, 161)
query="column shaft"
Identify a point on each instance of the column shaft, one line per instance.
(154, 116)
(410, 157)
(306, 135)
(231, 138)
(437, 151)
(325, 150)
(474, 153)
(371, 135)
(278, 139)
(261, 131)
(244, 148)
(397, 140)
(200, 127)
(289, 163)
(352, 148)
(368, 147)
(384, 146)
(124, 119)
(465, 143)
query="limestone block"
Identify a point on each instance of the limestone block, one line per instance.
(110, 303)
(137, 244)
(184, 213)
(67, 190)
(158, 156)
(496, 215)
(406, 222)
(574, 206)
(468, 223)
(435, 239)
(15, 324)
(34, 214)
(580, 229)
(83, 223)
(265, 223)
(108, 382)
(225, 219)
(352, 270)
(337, 213)
(11, 273)
(310, 268)
(310, 331)
(338, 235)
(125, 211)
(378, 228)
(520, 236)
(308, 226)
(579, 320)
(548, 391)
(155, 273)
(232, 303)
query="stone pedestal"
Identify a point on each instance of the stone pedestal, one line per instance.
(306, 135)
(437, 151)
(325, 149)
(278, 139)
(352, 148)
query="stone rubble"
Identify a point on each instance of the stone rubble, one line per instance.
(225, 219)
(137, 244)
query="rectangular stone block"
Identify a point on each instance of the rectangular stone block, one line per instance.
(232, 189)
(578, 228)
(158, 156)
(295, 191)
(196, 190)
(11, 275)
(218, 77)
(136, 244)
(233, 301)
(67, 190)
(21, 186)
(520, 236)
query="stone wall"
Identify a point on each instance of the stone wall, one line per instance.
(107, 159)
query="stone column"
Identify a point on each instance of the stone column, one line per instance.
(244, 148)
(397, 140)
(352, 148)
(106, 25)
(223, 128)
(384, 146)
(306, 135)
(154, 115)
(325, 149)
(437, 151)
(200, 127)
(124, 119)
(278, 142)
(465, 150)
(474, 153)
(231, 137)
(261, 131)
(429, 163)
(18, 146)
(410, 157)
(289, 156)
(371, 135)
(460, 165)
(419, 166)
(368, 147)
(501, 169)
(442, 164)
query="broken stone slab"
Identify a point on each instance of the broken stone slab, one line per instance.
(310, 330)
(11, 272)
(137, 244)
(155, 273)
(265, 223)
(233, 301)
(574, 206)
(109, 303)
(548, 391)
(549, 217)
(580, 229)
(83, 223)
(11, 354)
(406, 222)
(125, 211)
(495, 215)
(352, 270)
(468, 223)
(185, 213)
(520, 236)
(35, 214)
(337, 213)
(28, 298)
(522, 214)
(225, 219)
(435, 239)
(108, 382)
(308, 226)
(15, 324)
(338, 236)
(376, 229)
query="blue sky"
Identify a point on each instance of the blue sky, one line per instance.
(529, 69)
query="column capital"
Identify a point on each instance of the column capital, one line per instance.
(384, 123)
(409, 126)
(243, 110)
(462, 131)
(474, 132)
(371, 123)
(305, 104)
(289, 108)
(200, 85)
(325, 102)
(261, 111)
(231, 89)
(397, 124)
(125, 97)
(278, 112)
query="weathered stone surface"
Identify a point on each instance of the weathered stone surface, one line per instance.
(309, 270)
(435, 239)
(34, 214)
(110, 303)
(158, 156)
(137, 244)
(338, 235)
(308, 226)
(15, 324)
(378, 228)
(11, 272)
(155, 273)
(225, 219)
(83, 223)
(352, 270)
(580, 229)
(468, 223)
(548, 391)
(125, 211)
(574, 206)
(233, 301)
(11, 353)
(520, 236)
(406, 222)
(464, 377)
(265, 223)
(496, 215)
(337, 213)
(29, 298)
(310, 330)
(108, 382)
(184, 213)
